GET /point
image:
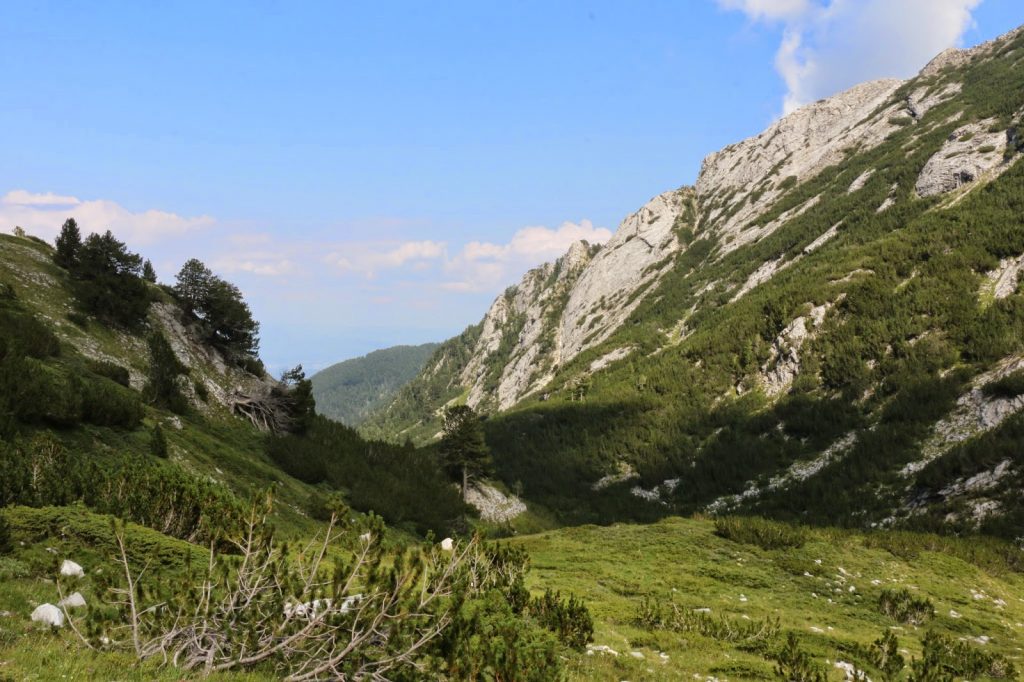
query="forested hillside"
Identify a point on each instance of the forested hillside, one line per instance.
(153, 479)
(834, 332)
(350, 390)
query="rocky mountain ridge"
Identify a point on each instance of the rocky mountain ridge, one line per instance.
(821, 272)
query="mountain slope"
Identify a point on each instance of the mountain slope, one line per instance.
(825, 319)
(349, 390)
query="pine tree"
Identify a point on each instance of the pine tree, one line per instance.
(192, 288)
(68, 245)
(148, 273)
(463, 449)
(223, 315)
(158, 443)
(107, 281)
(301, 404)
(164, 368)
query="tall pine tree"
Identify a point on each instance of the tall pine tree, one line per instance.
(463, 450)
(68, 244)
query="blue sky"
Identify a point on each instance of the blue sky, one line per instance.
(375, 173)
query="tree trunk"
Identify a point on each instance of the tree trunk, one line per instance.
(465, 482)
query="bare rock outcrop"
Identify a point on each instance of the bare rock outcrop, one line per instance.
(970, 152)
(494, 505)
(783, 364)
(525, 320)
(637, 255)
(754, 173)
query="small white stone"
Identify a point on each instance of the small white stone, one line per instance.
(49, 614)
(447, 544)
(637, 654)
(72, 601)
(71, 569)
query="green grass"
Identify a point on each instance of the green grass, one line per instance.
(614, 568)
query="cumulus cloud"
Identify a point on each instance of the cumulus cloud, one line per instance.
(828, 46)
(477, 266)
(43, 214)
(370, 258)
(264, 263)
(484, 265)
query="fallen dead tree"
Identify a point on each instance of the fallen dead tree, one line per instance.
(270, 412)
(363, 617)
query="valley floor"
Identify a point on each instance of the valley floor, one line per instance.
(825, 591)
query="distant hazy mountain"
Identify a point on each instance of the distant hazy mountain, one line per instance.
(348, 391)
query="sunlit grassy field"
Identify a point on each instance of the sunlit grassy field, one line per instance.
(825, 591)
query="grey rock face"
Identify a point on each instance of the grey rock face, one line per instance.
(970, 152)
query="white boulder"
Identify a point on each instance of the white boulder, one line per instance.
(72, 601)
(71, 569)
(447, 544)
(48, 614)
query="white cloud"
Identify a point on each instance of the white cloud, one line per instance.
(768, 10)
(480, 266)
(43, 214)
(21, 197)
(828, 46)
(370, 258)
(266, 264)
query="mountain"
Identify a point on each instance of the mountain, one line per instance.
(828, 326)
(349, 390)
(78, 408)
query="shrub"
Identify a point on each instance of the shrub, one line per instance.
(6, 544)
(651, 614)
(904, 607)
(164, 368)
(158, 442)
(1009, 386)
(78, 319)
(942, 655)
(488, 641)
(107, 403)
(570, 620)
(754, 530)
(788, 183)
(27, 336)
(795, 664)
(202, 392)
(111, 371)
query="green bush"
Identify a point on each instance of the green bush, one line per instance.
(904, 607)
(158, 442)
(754, 530)
(41, 472)
(488, 641)
(110, 370)
(162, 387)
(6, 544)
(107, 403)
(795, 664)
(569, 620)
(944, 658)
(1009, 386)
(652, 614)
(78, 319)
